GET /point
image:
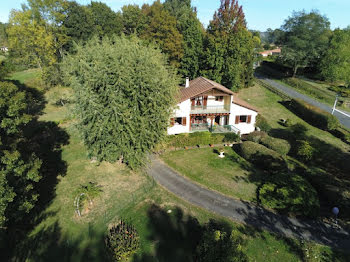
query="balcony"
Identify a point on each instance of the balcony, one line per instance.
(214, 129)
(210, 109)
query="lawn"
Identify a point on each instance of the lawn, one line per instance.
(230, 175)
(25, 76)
(60, 235)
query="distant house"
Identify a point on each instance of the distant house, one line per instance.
(204, 105)
(4, 49)
(267, 53)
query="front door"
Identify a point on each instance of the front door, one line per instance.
(217, 120)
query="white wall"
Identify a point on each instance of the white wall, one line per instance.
(182, 110)
(237, 110)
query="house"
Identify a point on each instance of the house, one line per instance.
(267, 53)
(205, 105)
(4, 49)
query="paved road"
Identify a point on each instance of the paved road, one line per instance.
(245, 212)
(344, 120)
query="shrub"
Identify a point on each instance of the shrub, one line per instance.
(262, 123)
(255, 136)
(281, 146)
(122, 241)
(305, 150)
(290, 193)
(342, 134)
(231, 137)
(85, 194)
(288, 123)
(314, 115)
(298, 130)
(262, 156)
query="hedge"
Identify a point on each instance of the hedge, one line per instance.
(281, 146)
(262, 123)
(255, 136)
(200, 138)
(262, 156)
(314, 115)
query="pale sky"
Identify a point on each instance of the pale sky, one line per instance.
(260, 14)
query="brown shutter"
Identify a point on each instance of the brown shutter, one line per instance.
(237, 119)
(184, 121)
(205, 100)
(249, 119)
(193, 100)
(172, 121)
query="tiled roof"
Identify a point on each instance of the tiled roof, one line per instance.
(199, 86)
(243, 103)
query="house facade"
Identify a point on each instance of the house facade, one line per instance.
(205, 105)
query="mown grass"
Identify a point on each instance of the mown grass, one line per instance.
(229, 175)
(60, 235)
(25, 76)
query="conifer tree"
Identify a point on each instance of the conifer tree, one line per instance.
(124, 93)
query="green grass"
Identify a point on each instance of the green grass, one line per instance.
(25, 76)
(60, 235)
(2, 58)
(229, 175)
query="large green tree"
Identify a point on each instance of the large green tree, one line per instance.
(134, 20)
(162, 29)
(304, 40)
(335, 64)
(192, 30)
(19, 168)
(124, 93)
(229, 47)
(106, 22)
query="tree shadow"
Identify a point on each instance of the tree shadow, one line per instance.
(180, 237)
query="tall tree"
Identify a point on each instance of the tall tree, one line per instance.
(229, 47)
(106, 21)
(124, 93)
(192, 30)
(335, 64)
(134, 20)
(31, 41)
(162, 29)
(305, 38)
(3, 34)
(78, 23)
(19, 168)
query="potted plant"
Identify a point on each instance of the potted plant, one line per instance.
(222, 152)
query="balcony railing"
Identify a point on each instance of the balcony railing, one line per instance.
(210, 109)
(214, 129)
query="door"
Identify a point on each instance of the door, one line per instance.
(217, 120)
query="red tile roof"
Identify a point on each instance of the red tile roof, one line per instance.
(243, 103)
(199, 86)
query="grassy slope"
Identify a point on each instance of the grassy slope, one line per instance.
(25, 76)
(61, 236)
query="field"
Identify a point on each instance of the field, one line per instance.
(60, 235)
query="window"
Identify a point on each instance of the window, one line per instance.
(178, 120)
(219, 98)
(243, 119)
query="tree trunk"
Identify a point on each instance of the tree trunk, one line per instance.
(295, 70)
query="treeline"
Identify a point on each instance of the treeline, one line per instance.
(309, 46)
(42, 32)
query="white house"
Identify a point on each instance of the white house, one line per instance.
(207, 105)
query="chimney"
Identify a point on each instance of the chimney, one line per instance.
(187, 82)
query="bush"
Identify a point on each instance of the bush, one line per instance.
(290, 193)
(314, 115)
(281, 146)
(288, 123)
(200, 138)
(305, 150)
(262, 156)
(262, 123)
(122, 241)
(298, 130)
(342, 134)
(255, 136)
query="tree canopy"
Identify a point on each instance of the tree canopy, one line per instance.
(304, 40)
(19, 169)
(124, 93)
(229, 47)
(335, 65)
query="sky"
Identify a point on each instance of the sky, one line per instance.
(260, 14)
